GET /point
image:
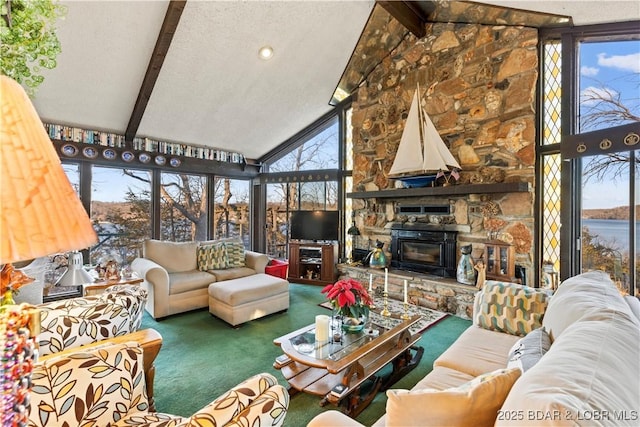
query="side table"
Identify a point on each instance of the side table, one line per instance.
(97, 287)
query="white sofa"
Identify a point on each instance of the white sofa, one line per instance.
(177, 281)
(590, 374)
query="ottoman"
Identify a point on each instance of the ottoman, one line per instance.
(239, 300)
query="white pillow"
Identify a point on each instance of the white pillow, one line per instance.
(529, 349)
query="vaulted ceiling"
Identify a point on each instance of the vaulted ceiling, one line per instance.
(189, 71)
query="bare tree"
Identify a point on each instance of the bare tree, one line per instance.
(603, 107)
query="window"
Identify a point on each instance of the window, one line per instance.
(120, 212)
(183, 207)
(608, 97)
(231, 209)
(587, 194)
(315, 151)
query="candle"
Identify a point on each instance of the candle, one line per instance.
(405, 291)
(322, 327)
(370, 282)
(386, 280)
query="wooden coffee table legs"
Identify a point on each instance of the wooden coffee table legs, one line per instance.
(360, 397)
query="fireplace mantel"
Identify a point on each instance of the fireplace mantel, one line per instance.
(503, 187)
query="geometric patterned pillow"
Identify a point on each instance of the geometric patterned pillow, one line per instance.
(235, 254)
(510, 308)
(212, 257)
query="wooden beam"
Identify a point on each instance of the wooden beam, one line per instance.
(409, 14)
(168, 29)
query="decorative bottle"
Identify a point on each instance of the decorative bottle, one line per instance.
(465, 272)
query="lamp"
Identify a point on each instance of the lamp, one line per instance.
(40, 213)
(75, 274)
(352, 231)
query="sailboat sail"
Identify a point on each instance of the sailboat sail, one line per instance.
(421, 151)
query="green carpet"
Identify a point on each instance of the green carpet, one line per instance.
(202, 356)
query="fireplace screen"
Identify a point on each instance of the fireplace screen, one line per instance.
(424, 251)
(420, 252)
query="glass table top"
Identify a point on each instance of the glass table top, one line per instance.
(340, 344)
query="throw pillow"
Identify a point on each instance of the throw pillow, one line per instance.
(475, 403)
(528, 350)
(212, 257)
(235, 253)
(509, 307)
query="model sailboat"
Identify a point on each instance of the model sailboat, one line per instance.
(422, 155)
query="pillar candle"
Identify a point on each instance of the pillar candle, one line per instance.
(386, 280)
(370, 282)
(405, 291)
(322, 327)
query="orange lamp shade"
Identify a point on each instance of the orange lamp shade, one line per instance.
(40, 212)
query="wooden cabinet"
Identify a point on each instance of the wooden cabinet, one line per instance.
(500, 261)
(312, 263)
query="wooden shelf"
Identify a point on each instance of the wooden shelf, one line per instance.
(317, 259)
(188, 164)
(503, 187)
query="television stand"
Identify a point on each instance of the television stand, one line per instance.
(312, 263)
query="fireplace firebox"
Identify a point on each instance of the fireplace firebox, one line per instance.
(424, 248)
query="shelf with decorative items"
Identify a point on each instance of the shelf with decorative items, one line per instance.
(111, 149)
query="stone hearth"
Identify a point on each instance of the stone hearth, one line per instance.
(425, 290)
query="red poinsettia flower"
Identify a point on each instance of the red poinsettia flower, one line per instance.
(349, 297)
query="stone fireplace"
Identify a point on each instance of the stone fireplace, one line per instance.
(479, 89)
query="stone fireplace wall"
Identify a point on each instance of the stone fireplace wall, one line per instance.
(478, 85)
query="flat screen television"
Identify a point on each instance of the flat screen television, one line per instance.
(314, 225)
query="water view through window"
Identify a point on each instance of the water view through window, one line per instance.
(609, 85)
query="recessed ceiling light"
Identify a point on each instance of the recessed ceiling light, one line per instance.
(265, 52)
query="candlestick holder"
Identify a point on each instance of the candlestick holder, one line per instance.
(405, 315)
(385, 312)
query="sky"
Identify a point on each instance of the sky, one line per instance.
(616, 67)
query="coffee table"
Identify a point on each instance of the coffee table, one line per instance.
(316, 367)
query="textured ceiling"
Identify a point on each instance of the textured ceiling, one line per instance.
(213, 89)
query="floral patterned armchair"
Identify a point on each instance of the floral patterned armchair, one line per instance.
(84, 320)
(105, 385)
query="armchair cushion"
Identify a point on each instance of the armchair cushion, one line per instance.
(97, 387)
(257, 398)
(79, 321)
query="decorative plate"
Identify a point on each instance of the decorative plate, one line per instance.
(109, 154)
(127, 156)
(175, 162)
(90, 152)
(160, 160)
(144, 157)
(69, 150)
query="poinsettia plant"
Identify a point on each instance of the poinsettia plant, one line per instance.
(349, 298)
